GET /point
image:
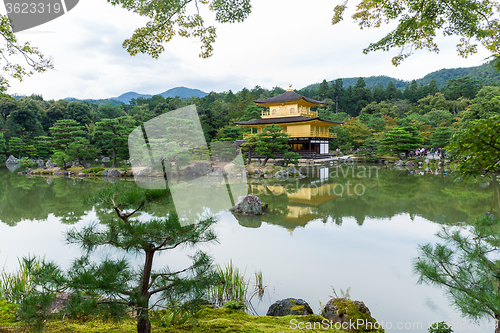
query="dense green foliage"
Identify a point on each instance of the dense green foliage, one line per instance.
(475, 22)
(435, 111)
(478, 148)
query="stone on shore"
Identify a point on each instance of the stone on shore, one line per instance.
(289, 306)
(343, 310)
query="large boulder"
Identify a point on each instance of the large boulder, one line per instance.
(49, 164)
(343, 310)
(289, 306)
(281, 174)
(398, 163)
(141, 172)
(40, 164)
(249, 205)
(202, 168)
(114, 173)
(106, 160)
(189, 171)
(409, 164)
(11, 160)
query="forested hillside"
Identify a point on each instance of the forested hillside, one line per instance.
(485, 73)
(75, 130)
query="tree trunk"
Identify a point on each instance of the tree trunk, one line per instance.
(143, 324)
(265, 161)
(249, 156)
(114, 158)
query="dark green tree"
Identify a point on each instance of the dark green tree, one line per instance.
(43, 145)
(81, 149)
(441, 137)
(485, 105)
(272, 141)
(64, 132)
(249, 146)
(291, 157)
(3, 148)
(24, 121)
(113, 134)
(391, 92)
(378, 93)
(401, 139)
(433, 87)
(16, 146)
(252, 112)
(79, 111)
(7, 105)
(323, 90)
(477, 148)
(462, 87)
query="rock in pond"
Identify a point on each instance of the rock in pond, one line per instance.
(289, 306)
(11, 160)
(249, 205)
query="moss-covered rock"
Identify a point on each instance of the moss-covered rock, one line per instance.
(289, 306)
(343, 310)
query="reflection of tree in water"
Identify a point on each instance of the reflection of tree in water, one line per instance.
(434, 197)
(23, 198)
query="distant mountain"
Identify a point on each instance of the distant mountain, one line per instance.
(105, 101)
(181, 92)
(126, 97)
(484, 73)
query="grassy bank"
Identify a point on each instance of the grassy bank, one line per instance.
(207, 321)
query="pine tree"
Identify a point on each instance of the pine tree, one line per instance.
(113, 133)
(465, 266)
(111, 286)
(64, 132)
(272, 141)
(3, 148)
(16, 145)
(401, 139)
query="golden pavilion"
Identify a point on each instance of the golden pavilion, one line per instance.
(309, 135)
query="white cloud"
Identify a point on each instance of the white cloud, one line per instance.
(282, 42)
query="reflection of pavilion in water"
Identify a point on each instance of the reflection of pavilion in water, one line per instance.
(294, 203)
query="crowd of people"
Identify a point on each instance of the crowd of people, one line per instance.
(427, 153)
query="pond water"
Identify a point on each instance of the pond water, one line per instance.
(341, 227)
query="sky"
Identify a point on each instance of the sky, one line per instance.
(282, 42)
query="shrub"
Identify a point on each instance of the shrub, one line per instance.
(93, 170)
(235, 305)
(26, 162)
(440, 327)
